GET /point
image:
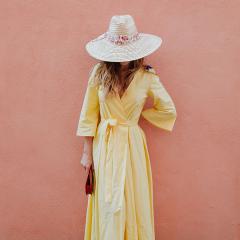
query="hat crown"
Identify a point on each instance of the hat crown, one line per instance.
(122, 25)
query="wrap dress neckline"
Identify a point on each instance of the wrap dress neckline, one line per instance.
(129, 85)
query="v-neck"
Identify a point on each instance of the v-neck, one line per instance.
(127, 89)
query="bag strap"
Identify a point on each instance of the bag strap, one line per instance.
(90, 176)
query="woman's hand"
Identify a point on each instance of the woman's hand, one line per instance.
(86, 161)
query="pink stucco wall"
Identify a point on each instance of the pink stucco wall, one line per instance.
(44, 69)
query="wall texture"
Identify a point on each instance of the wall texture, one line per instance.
(44, 69)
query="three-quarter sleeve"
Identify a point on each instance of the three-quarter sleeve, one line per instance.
(163, 112)
(89, 115)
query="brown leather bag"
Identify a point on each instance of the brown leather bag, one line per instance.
(90, 181)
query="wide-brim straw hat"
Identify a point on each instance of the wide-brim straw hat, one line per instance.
(122, 41)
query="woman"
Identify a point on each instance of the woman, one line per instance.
(121, 206)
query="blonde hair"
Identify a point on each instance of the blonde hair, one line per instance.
(107, 75)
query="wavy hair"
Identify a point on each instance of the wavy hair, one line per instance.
(107, 75)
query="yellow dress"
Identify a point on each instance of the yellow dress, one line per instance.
(121, 207)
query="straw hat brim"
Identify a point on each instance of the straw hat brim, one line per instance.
(102, 49)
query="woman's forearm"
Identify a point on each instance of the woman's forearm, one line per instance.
(87, 144)
(87, 157)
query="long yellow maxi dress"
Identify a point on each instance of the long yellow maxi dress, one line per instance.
(121, 207)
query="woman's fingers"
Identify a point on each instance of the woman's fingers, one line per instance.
(87, 168)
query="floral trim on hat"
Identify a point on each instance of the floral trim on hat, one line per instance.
(121, 39)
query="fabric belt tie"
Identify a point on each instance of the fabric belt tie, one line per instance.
(117, 154)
